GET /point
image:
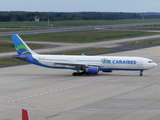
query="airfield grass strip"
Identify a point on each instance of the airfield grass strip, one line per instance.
(7, 47)
(10, 61)
(29, 25)
(81, 36)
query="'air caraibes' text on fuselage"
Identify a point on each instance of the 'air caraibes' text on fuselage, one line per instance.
(107, 61)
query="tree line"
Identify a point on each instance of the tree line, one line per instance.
(59, 16)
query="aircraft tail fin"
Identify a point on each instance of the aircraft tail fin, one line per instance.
(25, 115)
(82, 54)
(20, 46)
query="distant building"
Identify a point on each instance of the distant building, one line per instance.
(36, 19)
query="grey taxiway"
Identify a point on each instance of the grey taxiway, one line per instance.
(51, 94)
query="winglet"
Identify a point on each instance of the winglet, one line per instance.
(25, 114)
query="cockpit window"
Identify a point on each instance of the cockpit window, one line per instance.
(150, 61)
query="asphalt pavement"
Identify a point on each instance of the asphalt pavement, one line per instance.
(54, 94)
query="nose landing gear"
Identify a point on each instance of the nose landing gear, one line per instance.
(141, 73)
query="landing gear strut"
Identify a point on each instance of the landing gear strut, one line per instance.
(80, 72)
(141, 73)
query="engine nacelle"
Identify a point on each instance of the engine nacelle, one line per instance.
(92, 70)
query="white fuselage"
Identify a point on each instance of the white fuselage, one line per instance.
(103, 62)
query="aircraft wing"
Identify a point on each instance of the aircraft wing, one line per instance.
(78, 64)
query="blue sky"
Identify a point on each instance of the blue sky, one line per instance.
(81, 5)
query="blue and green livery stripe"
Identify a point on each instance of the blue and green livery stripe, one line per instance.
(20, 46)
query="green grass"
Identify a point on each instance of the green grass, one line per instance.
(146, 42)
(90, 51)
(19, 26)
(10, 61)
(81, 36)
(6, 47)
(73, 23)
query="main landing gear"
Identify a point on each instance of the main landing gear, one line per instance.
(141, 73)
(79, 73)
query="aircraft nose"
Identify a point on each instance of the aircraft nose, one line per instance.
(155, 64)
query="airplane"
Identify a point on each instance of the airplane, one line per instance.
(83, 64)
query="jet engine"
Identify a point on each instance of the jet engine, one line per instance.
(92, 70)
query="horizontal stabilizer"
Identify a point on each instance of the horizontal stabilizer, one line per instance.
(22, 57)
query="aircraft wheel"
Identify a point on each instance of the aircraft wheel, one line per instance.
(74, 74)
(83, 73)
(140, 74)
(86, 73)
(79, 74)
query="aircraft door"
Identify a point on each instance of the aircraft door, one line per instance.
(140, 64)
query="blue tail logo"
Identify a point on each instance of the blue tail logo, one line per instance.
(19, 45)
(24, 52)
